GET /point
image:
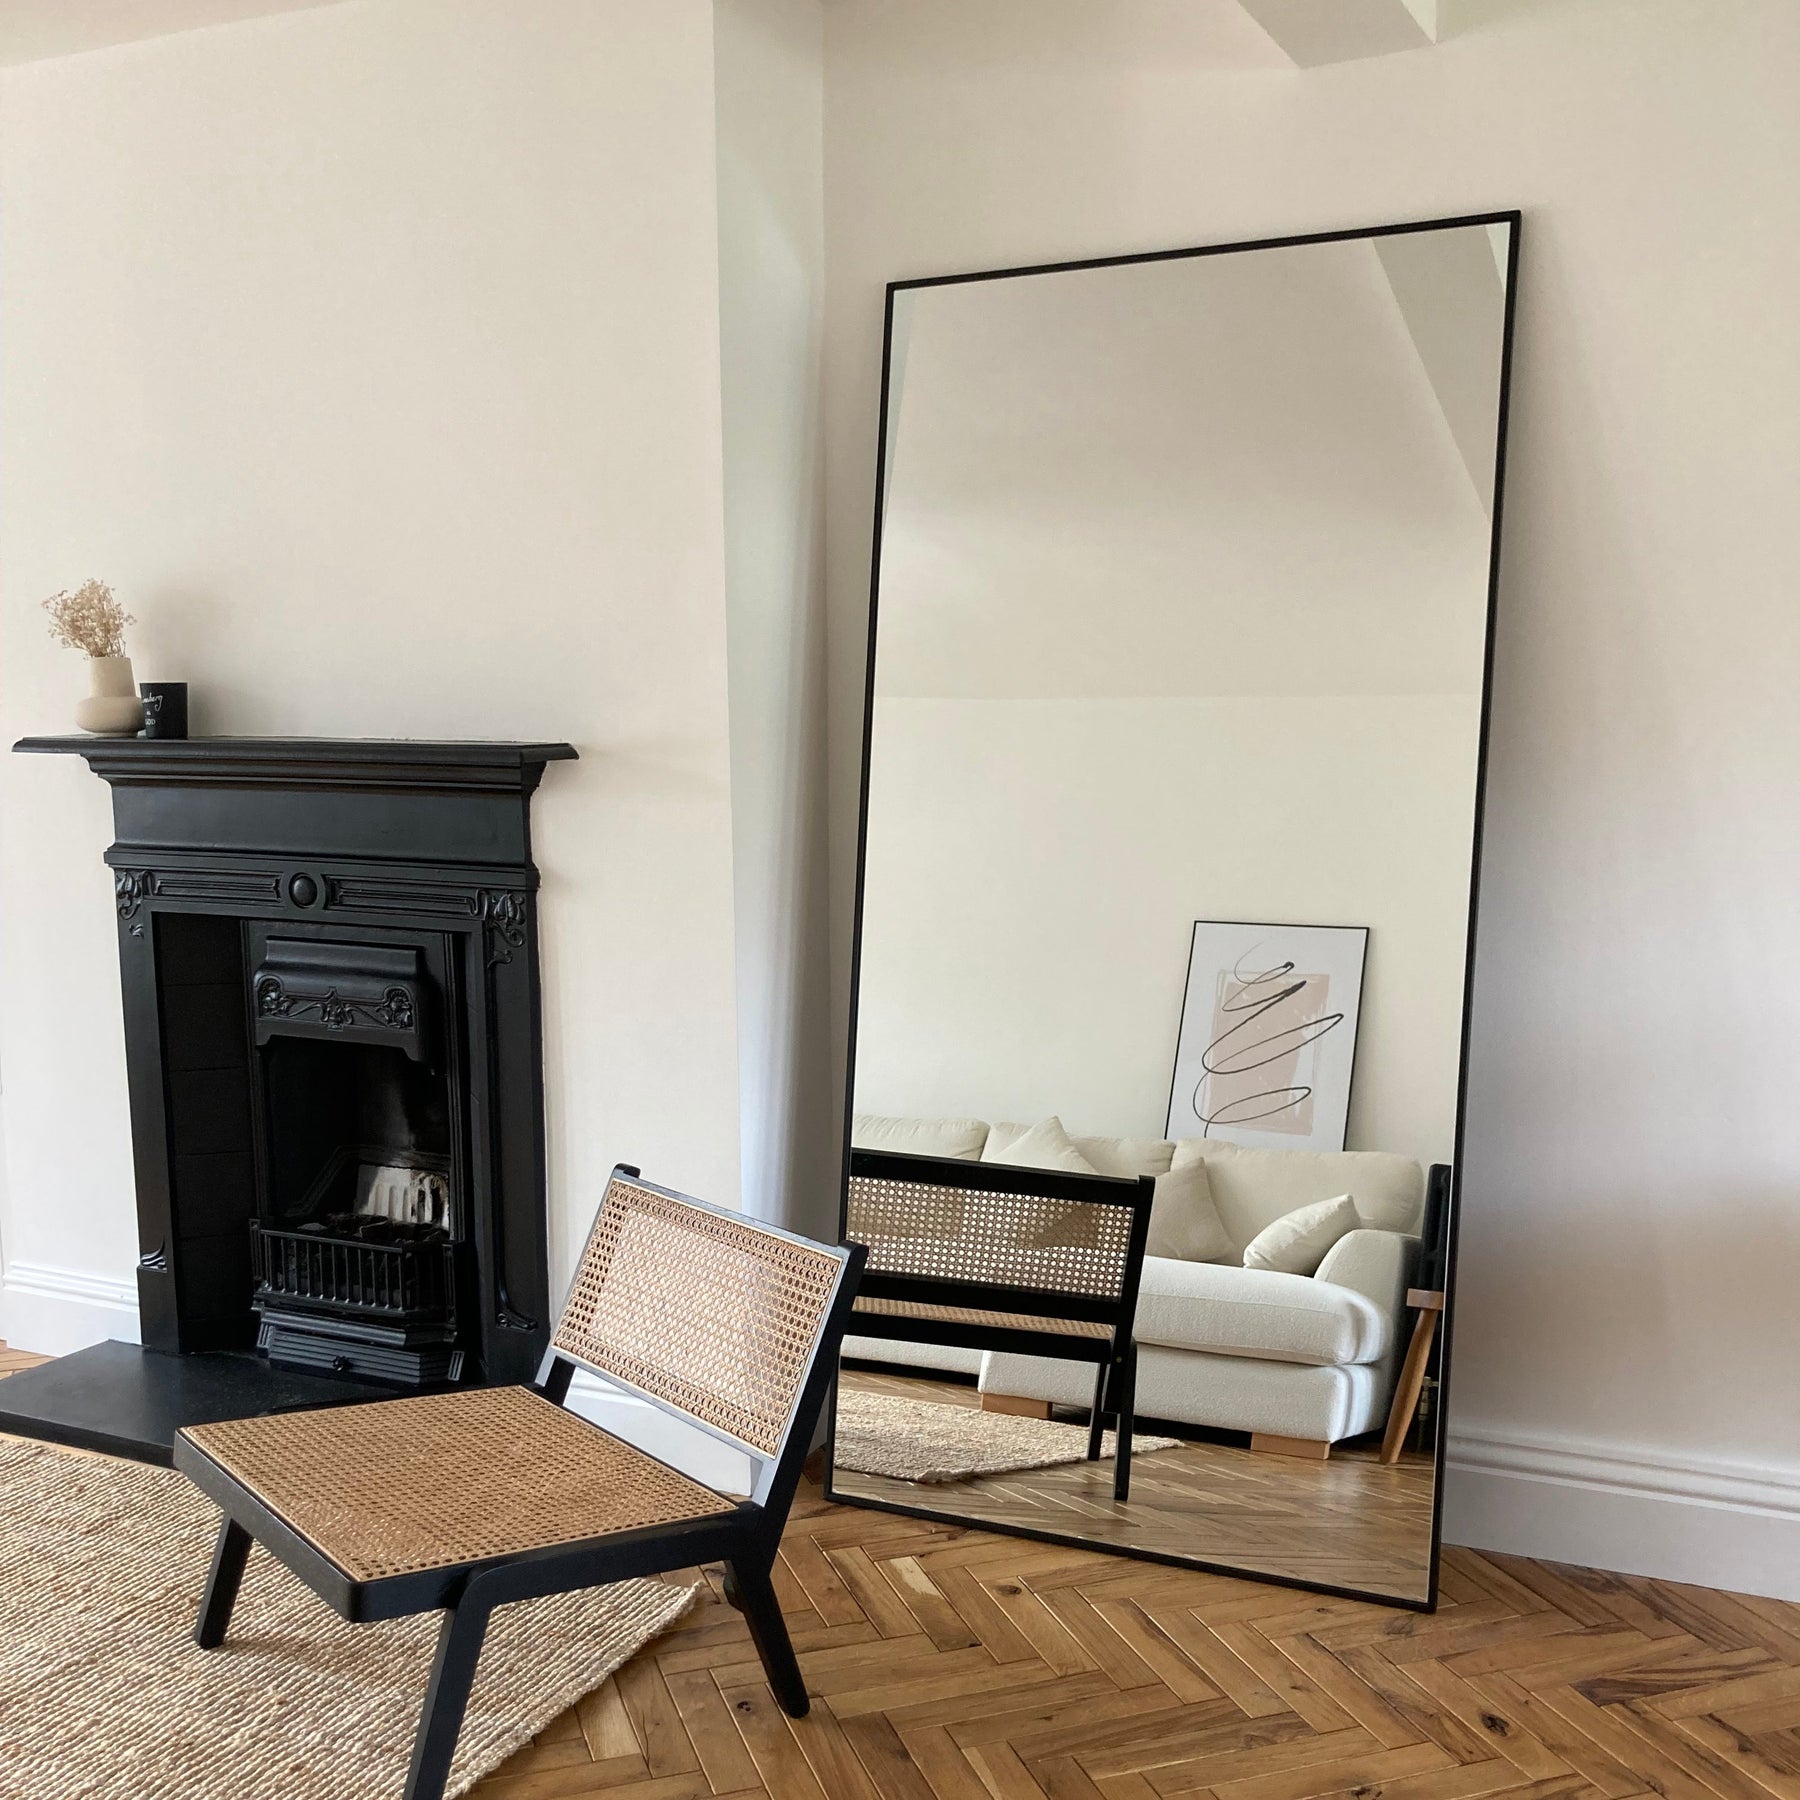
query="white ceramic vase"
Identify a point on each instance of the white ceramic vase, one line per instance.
(113, 708)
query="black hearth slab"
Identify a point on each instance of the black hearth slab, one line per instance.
(128, 1401)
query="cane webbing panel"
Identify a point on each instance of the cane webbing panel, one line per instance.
(402, 1485)
(975, 1315)
(714, 1315)
(1018, 1240)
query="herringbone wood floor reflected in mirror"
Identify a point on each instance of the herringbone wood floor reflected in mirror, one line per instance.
(1348, 1522)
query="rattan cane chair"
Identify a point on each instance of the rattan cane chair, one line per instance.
(470, 1499)
(992, 1257)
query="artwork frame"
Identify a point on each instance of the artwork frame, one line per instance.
(1288, 1086)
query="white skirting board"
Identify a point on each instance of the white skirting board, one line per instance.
(1641, 1512)
(53, 1311)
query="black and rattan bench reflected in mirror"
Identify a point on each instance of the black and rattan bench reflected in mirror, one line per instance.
(990, 1257)
(468, 1500)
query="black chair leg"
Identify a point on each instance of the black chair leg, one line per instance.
(446, 1697)
(755, 1598)
(1124, 1399)
(1097, 1418)
(229, 1555)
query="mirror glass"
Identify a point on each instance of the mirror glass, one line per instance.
(1178, 658)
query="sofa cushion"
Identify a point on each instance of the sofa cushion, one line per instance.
(1254, 1188)
(1379, 1264)
(1184, 1222)
(1105, 1155)
(1045, 1146)
(1257, 1312)
(1296, 1243)
(1126, 1156)
(960, 1138)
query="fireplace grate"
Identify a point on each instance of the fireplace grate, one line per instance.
(406, 1274)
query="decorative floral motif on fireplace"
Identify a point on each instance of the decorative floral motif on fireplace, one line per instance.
(393, 1011)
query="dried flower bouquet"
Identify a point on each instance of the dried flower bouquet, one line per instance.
(89, 619)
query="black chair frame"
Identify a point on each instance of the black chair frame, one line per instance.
(1114, 1354)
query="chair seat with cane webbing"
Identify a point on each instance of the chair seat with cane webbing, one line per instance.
(403, 1486)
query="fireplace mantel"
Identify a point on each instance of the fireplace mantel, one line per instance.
(319, 796)
(219, 842)
(446, 765)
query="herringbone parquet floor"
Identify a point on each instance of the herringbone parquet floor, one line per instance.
(950, 1664)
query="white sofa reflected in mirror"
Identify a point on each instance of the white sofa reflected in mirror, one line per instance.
(1298, 1361)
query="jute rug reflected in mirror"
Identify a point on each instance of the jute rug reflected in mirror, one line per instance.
(919, 1440)
(104, 1696)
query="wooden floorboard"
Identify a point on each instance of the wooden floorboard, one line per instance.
(947, 1663)
(1349, 1522)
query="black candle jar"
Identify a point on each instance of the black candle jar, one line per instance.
(165, 708)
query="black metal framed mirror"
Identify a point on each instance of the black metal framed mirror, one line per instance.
(1181, 623)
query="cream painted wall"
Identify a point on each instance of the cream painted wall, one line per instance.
(33, 29)
(1034, 867)
(1092, 480)
(373, 353)
(1626, 1334)
(770, 61)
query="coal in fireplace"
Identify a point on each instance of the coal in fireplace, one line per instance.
(333, 1050)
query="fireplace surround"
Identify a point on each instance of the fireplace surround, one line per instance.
(331, 1013)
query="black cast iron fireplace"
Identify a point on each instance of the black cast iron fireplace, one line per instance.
(332, 1042)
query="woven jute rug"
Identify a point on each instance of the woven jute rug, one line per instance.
(919, 1440)
(104, 1695)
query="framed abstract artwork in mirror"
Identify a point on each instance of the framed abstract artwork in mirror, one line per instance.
(1180, 631)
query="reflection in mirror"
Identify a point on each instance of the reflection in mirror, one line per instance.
(1177, 691)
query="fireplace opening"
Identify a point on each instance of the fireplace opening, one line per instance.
(319, 1111)
(362, 1223)
(355, 1129)
(362, 1220)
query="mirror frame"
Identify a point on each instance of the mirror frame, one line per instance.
(1513, 219)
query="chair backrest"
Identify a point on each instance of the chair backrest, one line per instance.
(977, 1224)
(709, 1315)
